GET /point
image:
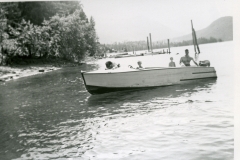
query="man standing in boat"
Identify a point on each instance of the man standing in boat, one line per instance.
(187, 59)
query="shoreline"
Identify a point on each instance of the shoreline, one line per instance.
(10, 73)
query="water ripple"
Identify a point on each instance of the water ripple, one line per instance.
(52, 116)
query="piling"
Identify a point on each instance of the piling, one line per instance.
(150, 41)
(168, 47)
(193, 38)
(196, 47)
(147, 44)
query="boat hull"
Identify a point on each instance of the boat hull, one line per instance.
(113, 80)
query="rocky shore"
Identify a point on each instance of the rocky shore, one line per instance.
(10, 73)
(37, 67)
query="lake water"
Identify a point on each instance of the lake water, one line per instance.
(52, 116)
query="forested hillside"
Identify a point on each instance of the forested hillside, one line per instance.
(218, 31)
(45, 30)
(221, 28)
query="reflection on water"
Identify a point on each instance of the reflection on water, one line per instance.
(52, 116)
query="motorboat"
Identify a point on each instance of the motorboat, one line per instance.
(98, 82)
(104, 81)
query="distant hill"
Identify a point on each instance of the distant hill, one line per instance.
(221, 28)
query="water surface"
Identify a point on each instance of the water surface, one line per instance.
(52, 116)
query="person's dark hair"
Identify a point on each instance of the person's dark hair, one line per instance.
(186, 50)
(109, 64)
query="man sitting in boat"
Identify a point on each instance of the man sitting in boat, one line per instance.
(187, 59)
(172, 64)
(111, 65)
(139, 65)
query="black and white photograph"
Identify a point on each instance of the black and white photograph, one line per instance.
(119, 80)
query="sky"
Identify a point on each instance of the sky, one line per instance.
(133, 20)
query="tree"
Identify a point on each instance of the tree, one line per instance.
(91, 37)
(31, 40)
(12, 13)
(3, 24)
(36, 12)
(74, 35)
(67, 34)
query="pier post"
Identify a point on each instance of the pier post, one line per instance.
(168, 47)
(147, 44)
(150, 41)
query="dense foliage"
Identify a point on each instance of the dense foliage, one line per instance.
(62, 31)
(37, 12)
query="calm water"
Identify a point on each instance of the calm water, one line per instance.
(52, 116)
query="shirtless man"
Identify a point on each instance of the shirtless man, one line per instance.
(186, 59)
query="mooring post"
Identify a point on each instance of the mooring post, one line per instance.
(150, 41)
(147, 44)
(168, 47)
(193, 37)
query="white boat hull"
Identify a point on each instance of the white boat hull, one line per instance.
(97, 82)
